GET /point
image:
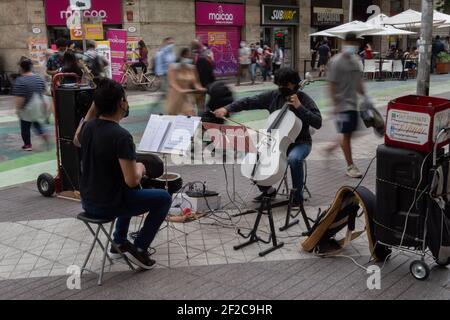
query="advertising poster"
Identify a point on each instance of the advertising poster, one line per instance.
(38, 51)
(104, 50)
(93, 32)
(132, 48)
(118, 42)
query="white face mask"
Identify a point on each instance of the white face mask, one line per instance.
(349, 49)
(242, 44)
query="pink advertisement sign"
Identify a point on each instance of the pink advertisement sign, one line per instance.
(118, 42)
(224, 43)
(57, 11)
(219, 14)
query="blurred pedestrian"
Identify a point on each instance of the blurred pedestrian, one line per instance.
(277, 58)
(94, 62)
(205, 70)
(324, 56)
(346, 82)
(244, 61)
(268, 55)
(163, 59)
(30, 105)
(70, 65)
(437, 48)
(55, 62)
(183, 84)
(142, 54)
(253, 62)
(208, 52)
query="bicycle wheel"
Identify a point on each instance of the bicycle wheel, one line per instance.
(153, 83)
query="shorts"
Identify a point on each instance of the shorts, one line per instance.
(323, 61)
(347, 122)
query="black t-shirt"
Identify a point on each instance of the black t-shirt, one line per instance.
(324, 50)
(103, 143)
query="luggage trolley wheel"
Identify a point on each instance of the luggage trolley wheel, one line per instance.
(46, 184)
(419, 269)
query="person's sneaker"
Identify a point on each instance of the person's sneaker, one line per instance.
(296, 203)
(124, 247)
(353, 172)
(27, 147)
(139, 258)
(271, 193)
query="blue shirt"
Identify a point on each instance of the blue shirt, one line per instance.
(163, 59)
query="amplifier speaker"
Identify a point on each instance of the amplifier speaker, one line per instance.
(72, 104)
(398, 176)
(70, 165)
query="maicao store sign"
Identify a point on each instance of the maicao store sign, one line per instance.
(57, 11)
(215, 14)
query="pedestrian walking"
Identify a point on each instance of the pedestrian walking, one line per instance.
(277, 58)
(324, 56)
(163, 59)
(55, 62)
(183, 84)
(30, 105)
(346, 82)
(244, 62)
(94, 62)
(205, 70)
(253, 62)
(268, 56)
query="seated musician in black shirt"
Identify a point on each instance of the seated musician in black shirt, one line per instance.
(110, 175)
(302, 105)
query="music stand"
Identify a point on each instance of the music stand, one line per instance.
(225, 144)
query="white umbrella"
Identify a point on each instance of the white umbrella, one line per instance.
(443, 16)
(409, 19)
(391, 31)
(357, 27)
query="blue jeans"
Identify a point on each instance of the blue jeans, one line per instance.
(297, 153)
(136, 202)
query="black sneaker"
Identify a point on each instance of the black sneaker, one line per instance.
(296, 203)
(271, 193)
(124, 247)
(140, 258)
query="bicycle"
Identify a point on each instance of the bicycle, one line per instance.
(147, 81)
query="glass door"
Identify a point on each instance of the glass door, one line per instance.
(284, 36)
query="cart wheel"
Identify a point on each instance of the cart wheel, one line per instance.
(443, 263)
(419, 269)
(46, 184)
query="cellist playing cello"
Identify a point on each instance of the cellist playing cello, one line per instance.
(287, 80)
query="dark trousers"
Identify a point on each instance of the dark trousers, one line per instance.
(136, 202)
(297, 153)
(142, 65)
(25, 130)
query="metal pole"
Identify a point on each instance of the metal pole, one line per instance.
(83, 31)
(350, 11)
(426, 38)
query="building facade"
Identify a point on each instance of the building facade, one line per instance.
(221, 24)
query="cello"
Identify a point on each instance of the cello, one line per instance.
(268, 165)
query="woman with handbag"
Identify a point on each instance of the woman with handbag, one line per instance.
(30, 104)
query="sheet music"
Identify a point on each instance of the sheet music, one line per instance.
(182, 131)
(155, 134)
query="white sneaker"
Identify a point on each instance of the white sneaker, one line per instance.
(353, 172)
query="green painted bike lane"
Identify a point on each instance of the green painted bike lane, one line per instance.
(18, 167)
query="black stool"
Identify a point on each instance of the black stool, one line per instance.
(88, 220)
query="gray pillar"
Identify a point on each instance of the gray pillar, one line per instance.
(426, 37)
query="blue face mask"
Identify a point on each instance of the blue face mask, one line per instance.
(186, 61)
(349, 49)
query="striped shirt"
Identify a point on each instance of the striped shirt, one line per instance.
(25, 86)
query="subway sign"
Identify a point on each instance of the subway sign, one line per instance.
(280, 15)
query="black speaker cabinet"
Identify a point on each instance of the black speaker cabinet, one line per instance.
(398, 176)
(70, 167)
(72, 104)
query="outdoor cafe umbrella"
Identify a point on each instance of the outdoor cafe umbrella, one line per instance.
(385, 30)
(356, 27)
(410, 19)
(443, 16)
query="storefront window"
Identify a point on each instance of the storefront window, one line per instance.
(396, 7)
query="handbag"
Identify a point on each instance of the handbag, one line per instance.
(372, 117)
(32, 111)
